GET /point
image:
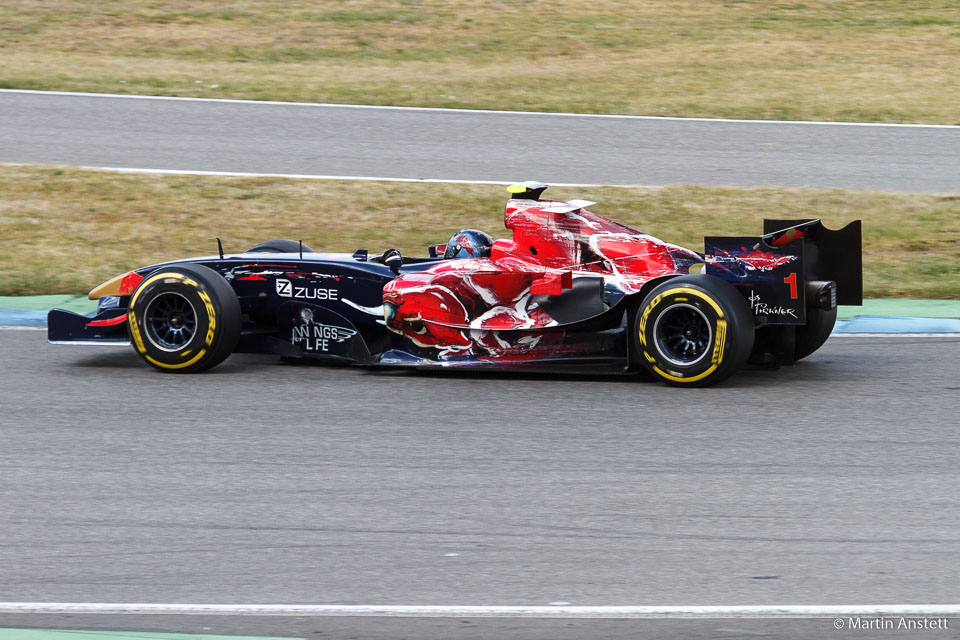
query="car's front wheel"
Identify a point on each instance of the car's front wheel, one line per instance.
(184, 319)
(693, 331)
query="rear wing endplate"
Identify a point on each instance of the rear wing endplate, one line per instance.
(774, 271)
(827, 254)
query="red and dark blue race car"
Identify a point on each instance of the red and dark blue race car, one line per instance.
(570, 290)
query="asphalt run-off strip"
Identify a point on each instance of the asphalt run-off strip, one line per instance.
(372, 158)
(490, 111)
(875, 317)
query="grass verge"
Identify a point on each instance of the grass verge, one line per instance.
(65, 230)
(883, 60)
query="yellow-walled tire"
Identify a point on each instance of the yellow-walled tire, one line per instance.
(693, 331)
(184, 319)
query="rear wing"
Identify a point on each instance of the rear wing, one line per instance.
(796, 264)
(827, 254)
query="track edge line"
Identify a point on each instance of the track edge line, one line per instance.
(747, 611)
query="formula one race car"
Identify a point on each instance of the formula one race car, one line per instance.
(570, 290)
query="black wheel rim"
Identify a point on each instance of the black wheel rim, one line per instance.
(171, 321)
(683, 334)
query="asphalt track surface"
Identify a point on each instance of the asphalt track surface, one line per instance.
(830, 482)
(486, 628)
(463, 145)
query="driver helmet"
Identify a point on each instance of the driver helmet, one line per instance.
(469, 243)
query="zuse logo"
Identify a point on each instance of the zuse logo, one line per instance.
(287, 290)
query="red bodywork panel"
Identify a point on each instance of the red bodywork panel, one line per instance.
(129, 283)
(456, 305)
(109, 322)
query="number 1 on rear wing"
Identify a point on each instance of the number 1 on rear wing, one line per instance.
(827, 254)
(796, 264)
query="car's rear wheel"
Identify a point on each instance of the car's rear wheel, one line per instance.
(693, 331)
(814, 333)
(278, 246)
(184, 319)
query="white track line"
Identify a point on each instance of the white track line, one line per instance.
(305, 176)
(761, 611)
(481, 111)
